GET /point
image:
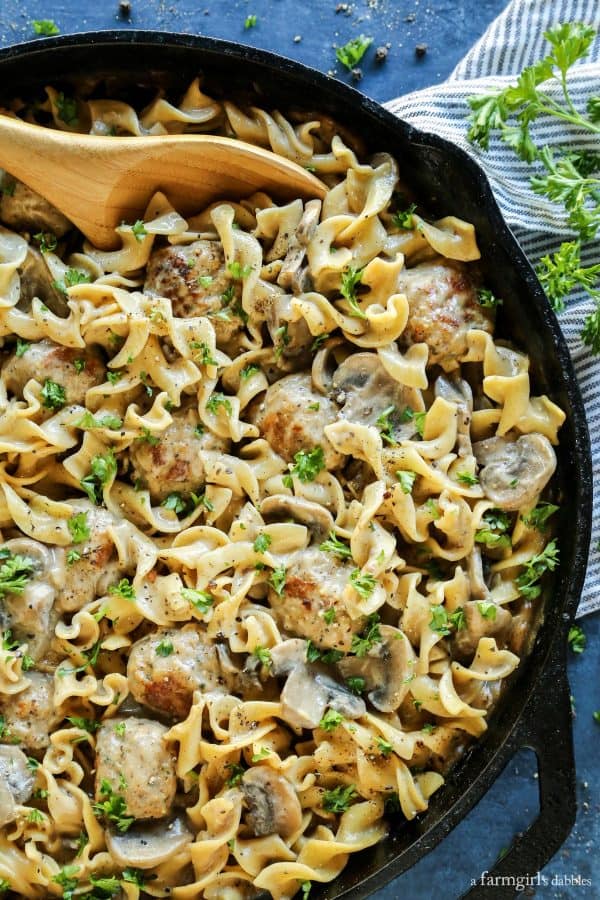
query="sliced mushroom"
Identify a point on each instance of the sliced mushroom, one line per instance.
(292, 274)
(366, 390)
(466, 640)
(280, 507)
(297, 338)
(457, 390)
(514, 473)
(24, 210)
(16, 782)
(272, 803)
(146, 846)
(30, 614)
(478, 587)
(36, 281)
(387, 669)
(310, 688)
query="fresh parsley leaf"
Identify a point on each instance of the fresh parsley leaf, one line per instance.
(334, 545)
(384, 746)
(15, 572)
(147, 437)
(331, 720)
(138, 230)
(262, 754)
(103, 469)
(200, 600)
(78, 526)
(339, 799)
(363, 583)
(251, 21)
(263, 654)
(577, 639)
(21, 348)
(487, 609)
(351, 53)
(238, 271)
(53, 395)
(538, 517)
(356, 684)
(277, 580)
(113, 807)
(120, 729)
(248, 372)
(73, 556)
(403, 218)
(218, 401)
(72, 277)
(203, 353)
(308, 464)
(66, 109)
(439, 620)
(283, 339)
(236, 774)
(262, 543)
(406, 479)
(562, 272)
(114, 377)
(47, 241)
(164, 648)
(486, 298)
(123, 589)
(546, 561)
(45, 27)
(329, 615)
(89, 725)
(370, 635)
(386, 427)
(351, 278)
(467, 479)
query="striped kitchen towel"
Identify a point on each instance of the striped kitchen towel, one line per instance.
(515, 40)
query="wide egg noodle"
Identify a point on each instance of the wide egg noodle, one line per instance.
(210, 521)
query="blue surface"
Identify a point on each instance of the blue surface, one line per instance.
(449, 28)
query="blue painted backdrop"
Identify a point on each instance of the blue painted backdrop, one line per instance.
(308, 30)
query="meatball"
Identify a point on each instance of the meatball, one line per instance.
(443, 307)
(75, 370)
(292, 417)
(315, 581)
(193, 277)
(174, 464)
(29, 716)
(133, 757)
(24, 210)
(167, 683)
(98, 566)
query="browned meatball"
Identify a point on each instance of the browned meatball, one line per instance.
(29, 716)
(98, 566)
(167, 682)
(24, 210)
(292, 417)
(195, 280)
(443, 307)
(75, 370)
(315, 582)
(136, 761)
(174, 464)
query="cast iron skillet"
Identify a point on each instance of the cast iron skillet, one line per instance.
(535, 712)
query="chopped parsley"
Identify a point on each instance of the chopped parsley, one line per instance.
(487, 609)
(308, 464)
(314, 407)
(138, 229)
(331, 720)
(79, 528)
(251, 21)
(492, 533)
(277, 580)
(283, 339)
(113, 807)
(15, 571)
(334, 545)
(200, 600)
(45, 27)
(114, 377)
(442, 623)
(72, 277)
(363, 583)
(486, 298)
(21, 348)
(73, 556)
(262, 754)
(89, 725)
(249, 371)
(79, 364)
(203, 354)
(329, 615)
(147, 437)
(164, 648)
(351, 278)
(236, 774)
(103, 468)
(403, 218)
(319, 341)
(329, 657)
(385, 426)
(546, 561)
(356, 684)
(66, 109)
(384, 746)
(351, 53)
(467, 479)
(47, 241)
(135, 876)
(371, 635)
(185, 504)
(263, 654)
(262, 543)
(123, 589)
(238, 271)
(219, 401)
(407, 480)
(433, 509)
(88, 421)
(53, 395)
(538, 517)
(67, 880)
(338, 800)
(204, 281)
(577, 639)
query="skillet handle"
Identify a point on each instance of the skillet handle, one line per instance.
(545, 728)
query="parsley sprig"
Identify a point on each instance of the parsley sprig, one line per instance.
(15, 571)
(546, 561)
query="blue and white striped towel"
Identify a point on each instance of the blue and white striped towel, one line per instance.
(515, 40)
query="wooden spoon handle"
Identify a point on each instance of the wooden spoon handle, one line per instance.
(99, 182)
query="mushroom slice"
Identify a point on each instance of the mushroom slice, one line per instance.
(477, 626)
(279, 321)
(514, 473)
(272, 803)
(146, 846)
(291, 270)
(280, 507)
(365, 389)
(16, 782)
(310, 689)
(36, 281)
(387, 669)
(458, 391)
(478, 588)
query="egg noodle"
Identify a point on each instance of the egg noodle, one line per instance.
(271, 520)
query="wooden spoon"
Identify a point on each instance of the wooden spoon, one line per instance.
(100, 182)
